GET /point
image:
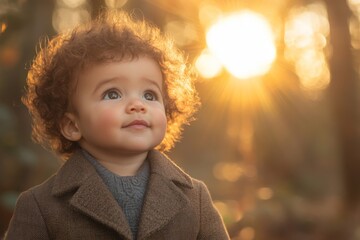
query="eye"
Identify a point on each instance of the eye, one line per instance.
(150, 96)
(111, 95)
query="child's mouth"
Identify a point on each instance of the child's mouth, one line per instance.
(138, 124)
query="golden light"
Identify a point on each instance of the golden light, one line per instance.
(70, 13)
(244, 43)
(354, 6)
(354, 22)
(228, 171)
(265, 193)
(9, 56)
(65, 18)
(230, 210)
(184, 33)
(247, 233)
(72, 3)
(306, 33)
(208, 13)
(317, 76)
(115, 3)
(221, 207)
(354, 2)
(208, 65)
(3, 27)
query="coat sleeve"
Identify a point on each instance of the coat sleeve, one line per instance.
(27, 221)
(211, 224)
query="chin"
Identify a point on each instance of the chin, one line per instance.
(140, 148)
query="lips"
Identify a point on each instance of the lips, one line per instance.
(137, 124)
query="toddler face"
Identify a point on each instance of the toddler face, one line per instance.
(119, 106)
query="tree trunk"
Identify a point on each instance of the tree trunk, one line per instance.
(343, 93)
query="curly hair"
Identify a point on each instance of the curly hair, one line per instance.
(112, 36)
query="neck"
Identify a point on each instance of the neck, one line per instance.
(120, 164)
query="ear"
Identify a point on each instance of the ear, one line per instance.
(69, 127)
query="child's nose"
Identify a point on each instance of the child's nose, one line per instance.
(136, 105)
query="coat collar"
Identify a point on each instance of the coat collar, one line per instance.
(163, 200)
(162, 165)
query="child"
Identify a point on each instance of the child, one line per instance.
(109, 97)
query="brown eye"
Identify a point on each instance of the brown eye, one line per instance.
(111, 95)
(149, 96)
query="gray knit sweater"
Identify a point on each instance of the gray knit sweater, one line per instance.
(129, 191)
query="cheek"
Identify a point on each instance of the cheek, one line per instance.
(106, 118)
(161, 119)
(164, 121)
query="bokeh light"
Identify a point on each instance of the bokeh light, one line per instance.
(70, 13)
(228, 171)
(115, 3)
(354, 27)
(244, 43)
(247, 233)
(306, 35)
(354, 6)
(230, 210)
(208, 13)
(65, 19)
(265, 193)
(71, 3)
(354, 23)
(184, 33)
(208, 65)
(3, 27)
(9, 56)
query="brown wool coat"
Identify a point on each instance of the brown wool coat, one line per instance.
(76, 204)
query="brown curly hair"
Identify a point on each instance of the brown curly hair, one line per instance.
(112, 36)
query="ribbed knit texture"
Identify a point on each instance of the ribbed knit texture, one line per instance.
(129, 191)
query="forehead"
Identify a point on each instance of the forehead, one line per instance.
(141, 69)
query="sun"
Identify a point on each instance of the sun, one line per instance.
(244, 43)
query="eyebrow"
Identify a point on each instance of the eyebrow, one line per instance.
(154, 83)
(106, 81)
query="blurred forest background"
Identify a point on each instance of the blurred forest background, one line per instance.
(277, 139)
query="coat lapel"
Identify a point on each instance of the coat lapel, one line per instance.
(164, 199)
(92, 197)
